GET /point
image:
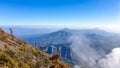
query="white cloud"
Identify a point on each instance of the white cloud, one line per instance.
(81, 48)
(111, 27)
(112, 60)
(88, 56)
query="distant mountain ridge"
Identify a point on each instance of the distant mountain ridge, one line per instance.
(62, 36)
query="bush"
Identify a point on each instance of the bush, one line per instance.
(6, 46)
(55, 57)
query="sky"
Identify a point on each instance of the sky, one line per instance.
(61, 13)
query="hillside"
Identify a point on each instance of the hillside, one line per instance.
(15, 53)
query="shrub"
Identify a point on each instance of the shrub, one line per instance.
(55, 57)
(6, 46)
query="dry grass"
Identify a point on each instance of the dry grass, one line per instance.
(15, 53)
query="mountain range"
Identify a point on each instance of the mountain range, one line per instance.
(87, 45)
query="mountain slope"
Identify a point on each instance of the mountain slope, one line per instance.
(15, 53)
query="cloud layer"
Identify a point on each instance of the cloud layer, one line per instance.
(112, 60)
(89, 56)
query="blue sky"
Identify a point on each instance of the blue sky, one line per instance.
(72, 13)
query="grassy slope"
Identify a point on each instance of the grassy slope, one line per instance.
(15, 53)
